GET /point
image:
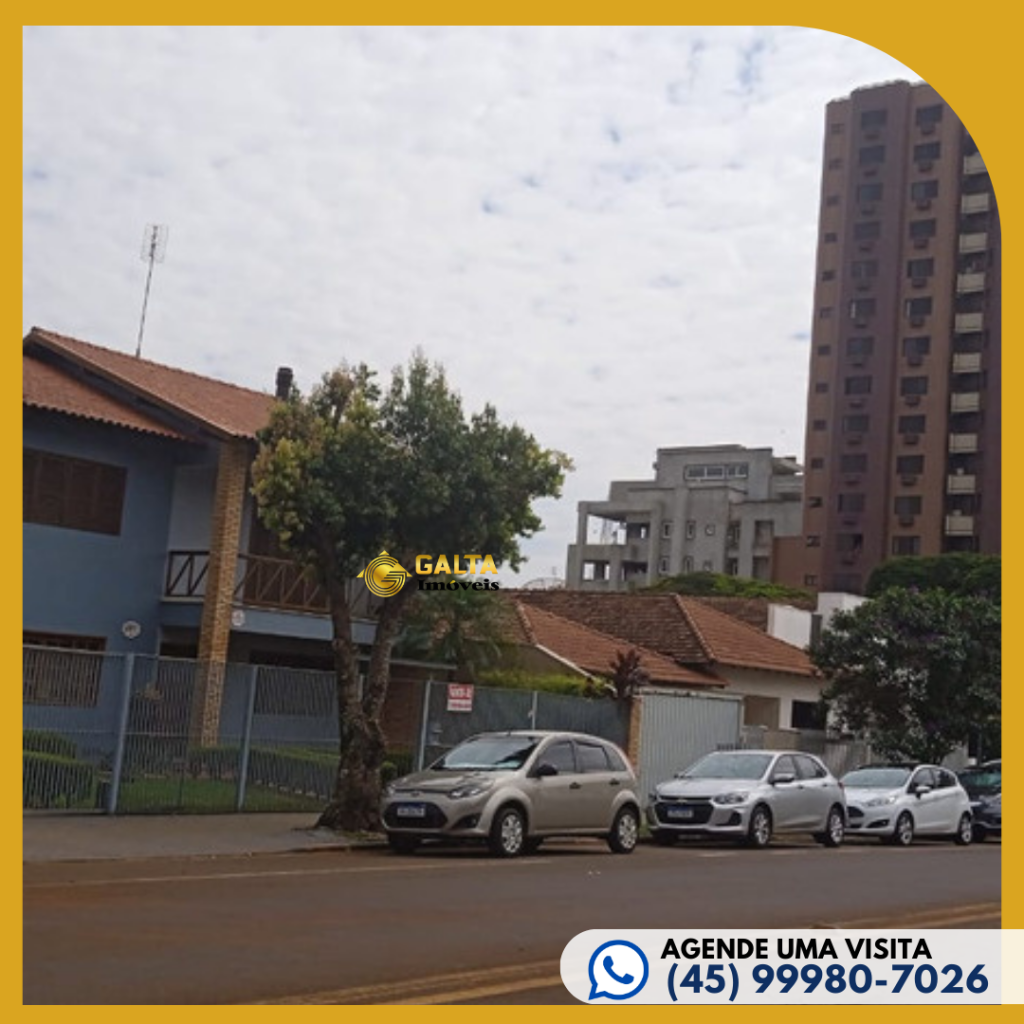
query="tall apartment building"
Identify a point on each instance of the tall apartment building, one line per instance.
(722, 508)
(903, 411)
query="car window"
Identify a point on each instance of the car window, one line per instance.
(591, 757)
(785, 765)
(945, 779)
(809, 768)
(615, 760)
(923, 777)
(561, 756)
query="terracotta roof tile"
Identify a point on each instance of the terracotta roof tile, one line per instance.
(45, 387)
(595, 652)
(685, 629)
(226, 409)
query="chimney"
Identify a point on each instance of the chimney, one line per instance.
(284, 383)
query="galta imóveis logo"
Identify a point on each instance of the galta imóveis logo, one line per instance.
(384, 576)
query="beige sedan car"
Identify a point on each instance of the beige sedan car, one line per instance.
(514, 789)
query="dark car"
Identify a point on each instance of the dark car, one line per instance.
(984, 785)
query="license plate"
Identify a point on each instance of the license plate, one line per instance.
(680, 812)
(411, 811)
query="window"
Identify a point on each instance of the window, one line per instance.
(691, 529)
(913, 385)
(871, 192)
(809, 712)
(828, 275)
(663, 567)
(922, 190)
(732, 567)
(861, 270)
(857, 386)
(918, 346)
(911, 424)
(76, 494)
(919, 307)
(928, 115)
(66, 675)
(615, 762)
(853, 463)
(907, 505)
(819, 425)
(813, 540)
(561, 756)
(871, 155)
(920, 268)
(688, 564)
(906, 545)
(861, 346)
(738, 470)
(666, 529)
(821, 387)
(814, 502)
(927, 151)
(909, 465)
(857, 424)
(851, 503)
(818, 463)
(861, 308)
(732, 534)
(922, 228)
(785, 766)
(591, 758)
(873, 118)
(810, 580)
(866, 230)
(849, 542)
(824, 350)
(831, 236)
(825, 313)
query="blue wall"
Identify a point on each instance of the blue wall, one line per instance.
(90, 583)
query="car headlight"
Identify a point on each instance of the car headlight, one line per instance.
(881, 801)
(729, 798)
(462, 792)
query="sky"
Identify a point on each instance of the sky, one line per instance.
(607, 233)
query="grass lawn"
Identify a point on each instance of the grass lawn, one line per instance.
(210, 796)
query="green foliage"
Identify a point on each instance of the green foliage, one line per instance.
(41, 742)
(49, 780)
(957, 573)
(716, 584)
(627, 674)
(919, 672)
(519, 679)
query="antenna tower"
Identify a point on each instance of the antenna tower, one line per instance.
(154, 249)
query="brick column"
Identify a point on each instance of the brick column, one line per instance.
(636, 711)
(215, 628)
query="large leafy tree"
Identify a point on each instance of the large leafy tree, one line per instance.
(918, 671)
(353, 469)
(717, 584)
(957, 572)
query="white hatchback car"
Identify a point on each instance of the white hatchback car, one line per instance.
(896, 802)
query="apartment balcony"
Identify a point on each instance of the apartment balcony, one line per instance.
(979, 203)
(260, 582)
(967, 362)
(968, 323)
(961, 483)
(963, 443)
(976, 242)
(966, 283)
(964, 401)
(959, 526)
(974, 164)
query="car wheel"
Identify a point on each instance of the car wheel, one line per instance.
(964, 831)
(508, 833)
(625, 830)
(835, 828)
(903, 833)
(979, 833)
(759, 833)
(664, 838)
(403, 844)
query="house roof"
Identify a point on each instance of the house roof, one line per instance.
(685, 629)
(595, 652)
(45, 387)
(225, 409)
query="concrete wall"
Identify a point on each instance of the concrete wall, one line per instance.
(785, 688)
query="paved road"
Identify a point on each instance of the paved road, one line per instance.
(451, 926)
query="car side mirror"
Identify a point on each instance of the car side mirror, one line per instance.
(782, 778)
(544, 769)
(920, 791)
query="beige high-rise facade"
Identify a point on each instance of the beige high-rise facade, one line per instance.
(903, 411)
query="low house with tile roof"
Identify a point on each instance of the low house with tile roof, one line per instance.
(139, 529)
(777, 681)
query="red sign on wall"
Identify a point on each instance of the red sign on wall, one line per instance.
(460, 696)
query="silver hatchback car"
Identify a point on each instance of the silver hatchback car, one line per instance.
(514, 789)
(750, 795)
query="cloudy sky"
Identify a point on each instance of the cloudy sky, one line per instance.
(608, 233)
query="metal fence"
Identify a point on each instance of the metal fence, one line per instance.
(117, 733)
(493, 710)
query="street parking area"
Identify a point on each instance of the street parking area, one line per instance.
(452, 925)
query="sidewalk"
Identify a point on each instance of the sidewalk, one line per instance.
(58, 837)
